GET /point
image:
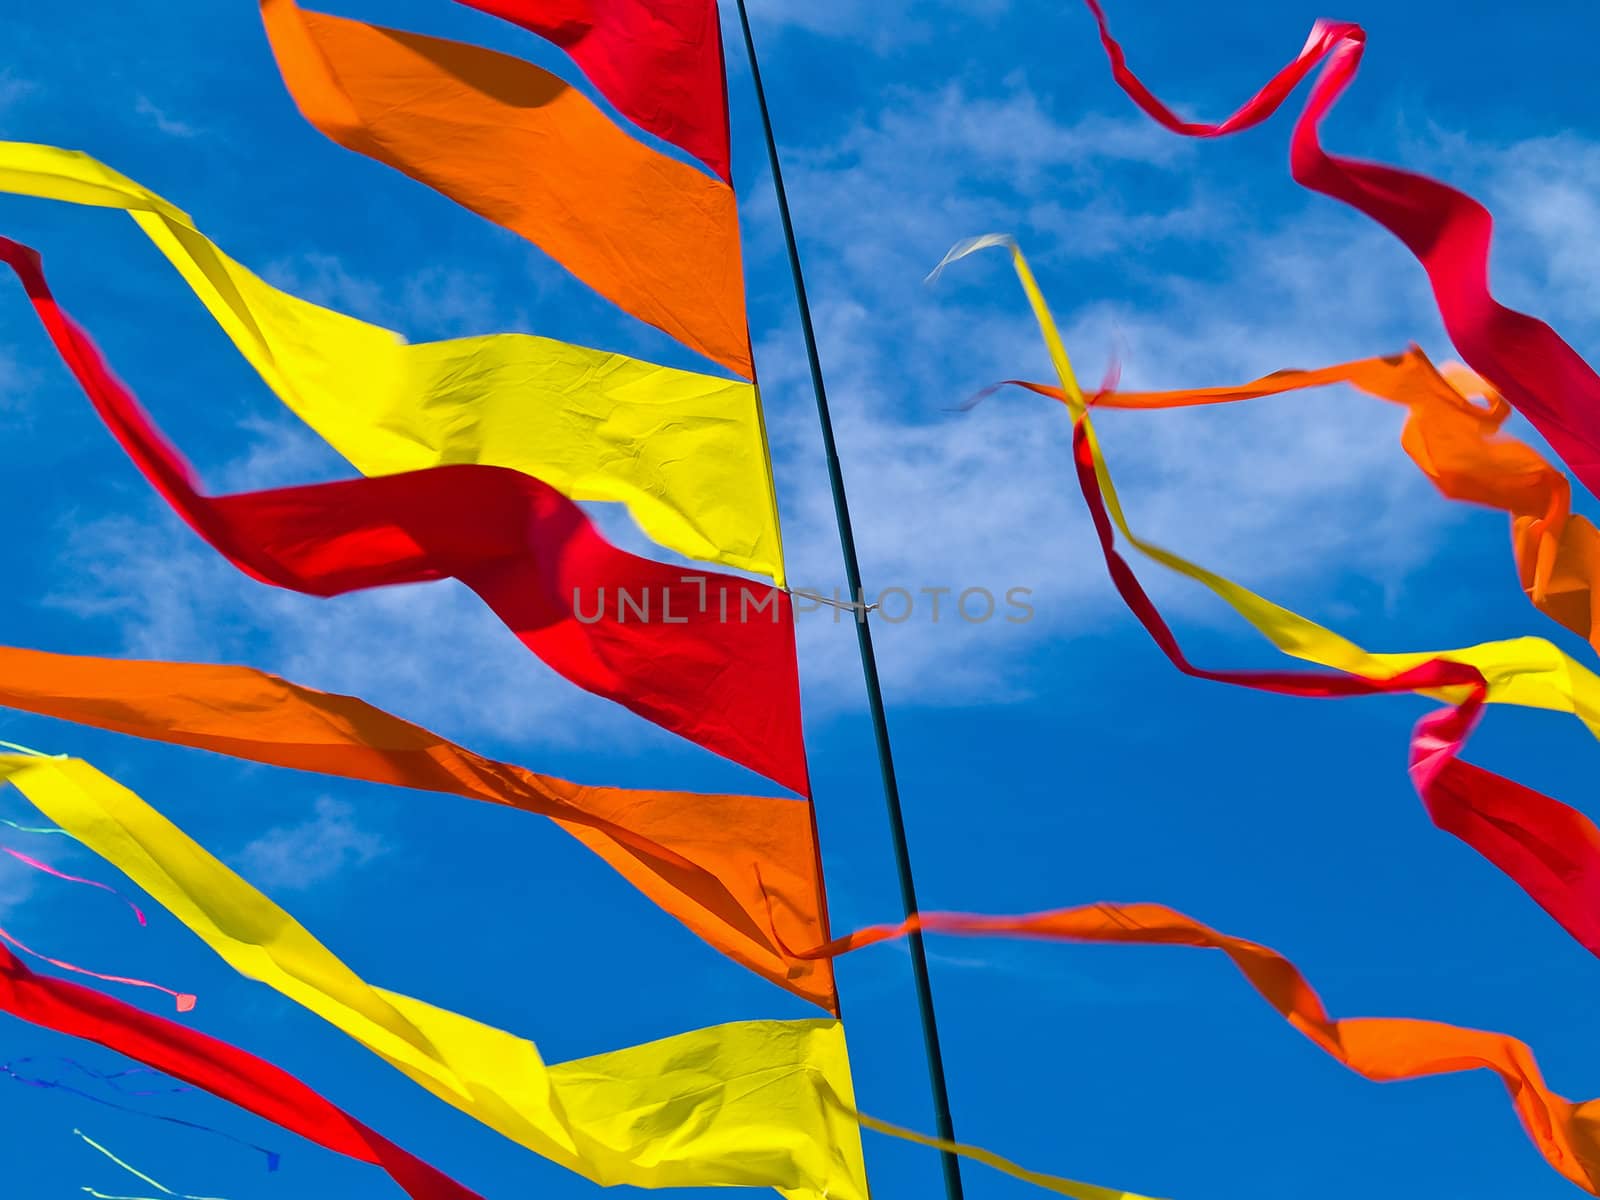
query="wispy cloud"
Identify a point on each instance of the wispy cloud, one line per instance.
(882, 26)
(16, 384)
(13, 89)
(163, 121)
(1545, 193)
(980, 499)
(433, 302)
(985, 498)
(17, 884)
(431, 652)
(296, 857)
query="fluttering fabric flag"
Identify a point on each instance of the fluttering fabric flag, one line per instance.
(709, 657)
(1458, 445)
(1383, 1049)
(659, 61)
(1450, 233)
(687, 453)
(762, 1103)
(514, 144)
(732, 868)
(216, 1067)
(751, 1103)
(1549, 849)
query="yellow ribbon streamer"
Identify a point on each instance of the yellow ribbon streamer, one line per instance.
(1528, 671)
(687, 453)
(1051, 1183)
(754, 1103)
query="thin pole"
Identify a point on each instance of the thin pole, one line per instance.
(869, 661)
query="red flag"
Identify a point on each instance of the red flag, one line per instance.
(658, 61)
(707, 656)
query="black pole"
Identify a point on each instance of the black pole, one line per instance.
(869, 662)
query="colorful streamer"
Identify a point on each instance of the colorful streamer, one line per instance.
(658, 61)
(1458, 445)
(517, 146)
(28, 860)
(215, 1067)
(272, 1156)
(709, 657)
(1450, 233)
(184, 1001)
(720, 864)
(1527, 671)
(1548, 849)
(112, 1079)
(1383, 1049)
(135, 1172)
(687, 453)
(757, 1103)
(29, 828)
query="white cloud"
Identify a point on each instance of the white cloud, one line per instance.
(431, 652)
(296, 857)
(13, 89)
(323, 279)
(1545, 194)
(434, 302)
(164, 122)
(980, 499)
(882, 25)
(987, 498)
(17, 883)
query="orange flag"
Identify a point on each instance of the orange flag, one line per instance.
(516, 145)
(740, 871)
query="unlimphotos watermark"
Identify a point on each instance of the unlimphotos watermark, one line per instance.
(696, 597)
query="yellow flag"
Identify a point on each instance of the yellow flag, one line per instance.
(687, 453)
(755, 1103)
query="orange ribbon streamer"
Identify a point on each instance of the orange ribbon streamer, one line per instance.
(513, 143)
(1382, 1049)
(1458, 445)
(720, 864)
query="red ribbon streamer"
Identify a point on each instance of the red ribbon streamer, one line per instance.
(1449, 232)
(708, 656)
(216, 1067)
(1551, 851)
(658, 61)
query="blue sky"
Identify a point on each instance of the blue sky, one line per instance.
(1044, 764)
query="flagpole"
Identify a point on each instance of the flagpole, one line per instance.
(869, 662)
